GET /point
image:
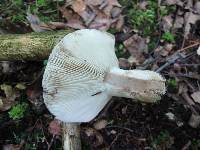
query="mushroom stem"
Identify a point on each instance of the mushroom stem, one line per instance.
(71, 136)
(143, 85)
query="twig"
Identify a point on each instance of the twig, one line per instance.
(124, 128)
(186, 146)
(188, 47)
(175, 56)
(52, 140)
(115, 139)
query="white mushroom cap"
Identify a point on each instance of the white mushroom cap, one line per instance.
(82, 74)
(74, 74)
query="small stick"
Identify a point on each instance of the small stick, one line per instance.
(71, 136)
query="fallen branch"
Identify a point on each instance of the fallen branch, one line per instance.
(30, 46)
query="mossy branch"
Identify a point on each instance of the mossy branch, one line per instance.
(30, 46)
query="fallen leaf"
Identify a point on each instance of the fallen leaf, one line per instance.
(197, 7)
(136, 45)
(36, 24)
(124, 63)
(75, 24)
(120, 23)
(55, 127)
(78, 6)
(10, 92)
(94, 2)
(189, 4)
(113, 132)
(57, 25)
(124, 110)
(100, 124)
(20, 86)
(6, 67)
(196, 96)
(109, 5)
(194, 120)
(189, 19)
(167, 23)
(173, 2)
(166, 49)
(102, 23)
(34, 95)
(114, 3)
(170, 2)
(170, 116)
(178, 22)
(90, 132)
(143, 4)
(11, 147)
(73, 20)
(88, 15)
(6, 104)
(115, 12)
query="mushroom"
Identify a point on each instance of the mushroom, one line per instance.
(82, 74)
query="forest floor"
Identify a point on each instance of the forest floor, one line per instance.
(159, 35)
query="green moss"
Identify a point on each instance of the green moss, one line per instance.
(18, 111)
(195, 143)
(171, 83)
(163, 137)
(168, 37)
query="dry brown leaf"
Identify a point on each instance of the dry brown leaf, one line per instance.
(178, 22)
(109, 5)
(55, 127)
(115, 12)
(75, 24)
(167, 23)
(173, 2)
(5, 104)
(20, 86)
(123, 63)
(100, 124)
(196, 96)
(166, 49)
(94, 2)
(11, 147)
(10, 92)
(88, 15)
(73, 20)
(143, 4)
(36, 24)
(189, 4)
(34, 95)
(90, 132)
(114, 3)
(101, 23)
(136, 45)
(197, 7)
(57, 25)
(194, 120)
(189, 19)
(79, 6)
(120, 23)
(6, 67)
(97, 14)
(68, 14)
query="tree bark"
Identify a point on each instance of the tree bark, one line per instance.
(71, 136)
(30, 46)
